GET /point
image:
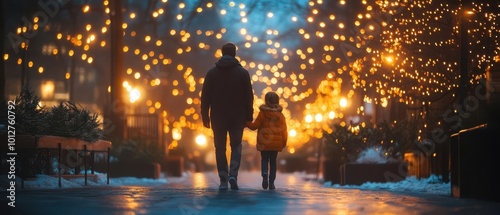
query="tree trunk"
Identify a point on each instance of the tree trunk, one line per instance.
(117, 105)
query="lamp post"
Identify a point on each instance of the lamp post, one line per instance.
(464, 66)
(116, 108)
(464, 14)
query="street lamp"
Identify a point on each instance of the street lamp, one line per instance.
(292, 133)
(331, 115)
(343, 102)
(309, 118)
(135, 94)
(201, 140)
(176, 134)
(318, 117)
(47, 90)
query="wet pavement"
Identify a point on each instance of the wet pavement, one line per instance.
(197, 193)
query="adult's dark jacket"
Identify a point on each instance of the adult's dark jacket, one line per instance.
(227, 93)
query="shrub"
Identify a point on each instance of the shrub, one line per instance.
(29, 115)
(349, 141)
(71, 120)
(68, 119)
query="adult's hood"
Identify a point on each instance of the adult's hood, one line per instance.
(227, 62)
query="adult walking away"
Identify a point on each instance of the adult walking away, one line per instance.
(226, 105)
(272, 136)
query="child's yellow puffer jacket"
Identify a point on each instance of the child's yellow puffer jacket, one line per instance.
(272, 133)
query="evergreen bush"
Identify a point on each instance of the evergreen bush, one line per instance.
(71, 120)
(68, 119)
(349, 141)
(29, 114)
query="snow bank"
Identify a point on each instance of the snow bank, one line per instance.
(373, 155)
(42, 181)
(431, 185)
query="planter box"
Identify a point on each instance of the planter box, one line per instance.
(330, 170)
(135, 169)
(292, 164)
(60, 144)
(174, 165)
(474, 163)
(52, 142)
(418, 164)
(357, 174)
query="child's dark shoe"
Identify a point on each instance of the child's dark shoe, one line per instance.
(271, 186)
(233, 183)
(265, 184)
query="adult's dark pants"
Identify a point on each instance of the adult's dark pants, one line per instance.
(268, 158)
(235, 131)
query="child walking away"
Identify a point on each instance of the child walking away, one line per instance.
(272, 136)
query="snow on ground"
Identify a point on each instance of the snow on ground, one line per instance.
(42, 181)
(431, 185)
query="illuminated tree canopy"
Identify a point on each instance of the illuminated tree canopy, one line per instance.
(312, 53)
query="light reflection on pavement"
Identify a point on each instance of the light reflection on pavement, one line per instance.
(197, 193)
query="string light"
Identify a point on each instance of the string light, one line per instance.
(393, 56)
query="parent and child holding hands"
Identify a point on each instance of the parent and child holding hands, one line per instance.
(227, 108)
